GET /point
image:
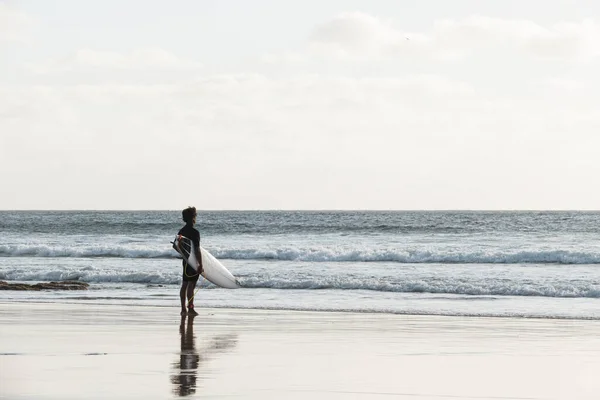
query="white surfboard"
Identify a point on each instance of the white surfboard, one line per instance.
(213, 270)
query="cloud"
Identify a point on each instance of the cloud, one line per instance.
(138, 59)
(492, 132)
(14, 24)
(356, 31)
(217, 101)
(565, 40)
(314, 114)
(224, 114)
(258, 142)
(360, 35)
(562, 84)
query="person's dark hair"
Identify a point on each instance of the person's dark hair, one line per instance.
(188, 214)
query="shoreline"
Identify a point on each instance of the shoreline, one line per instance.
(317, 311)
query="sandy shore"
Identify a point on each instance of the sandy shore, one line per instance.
(63, 351)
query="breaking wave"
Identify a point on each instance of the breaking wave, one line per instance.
(434, 285)
(315, 254)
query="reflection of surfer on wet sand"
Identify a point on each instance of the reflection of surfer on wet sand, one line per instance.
(186, 374)
(185, 380)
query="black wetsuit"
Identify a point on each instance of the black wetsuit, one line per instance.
(189, 273)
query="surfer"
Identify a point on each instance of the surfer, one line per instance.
(190, 275)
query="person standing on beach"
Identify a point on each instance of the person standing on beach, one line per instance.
(190, 275)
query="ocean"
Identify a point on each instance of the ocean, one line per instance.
(492, 264)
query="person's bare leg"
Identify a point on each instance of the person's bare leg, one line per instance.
(182, 293)
(190, 297)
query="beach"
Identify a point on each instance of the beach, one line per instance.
(332, 305)
(80, 351)
(384, 200)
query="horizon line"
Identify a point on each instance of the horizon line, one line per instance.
(314, 210)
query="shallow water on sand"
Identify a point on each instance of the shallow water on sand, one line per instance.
(78, 351)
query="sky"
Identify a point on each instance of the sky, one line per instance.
(234, 104)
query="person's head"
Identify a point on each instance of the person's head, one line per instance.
(189, 215)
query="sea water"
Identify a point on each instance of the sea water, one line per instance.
(497, 264)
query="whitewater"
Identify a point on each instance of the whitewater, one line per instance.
(494, 264)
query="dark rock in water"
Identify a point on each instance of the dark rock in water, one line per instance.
(64, 285)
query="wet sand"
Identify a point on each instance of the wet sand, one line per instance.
(75, 351)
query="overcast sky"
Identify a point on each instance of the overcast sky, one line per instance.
(422, 104)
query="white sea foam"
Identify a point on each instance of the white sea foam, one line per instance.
(473, 286)
(315, 254)
(91, 276)
(412, 256)
(85, 251)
